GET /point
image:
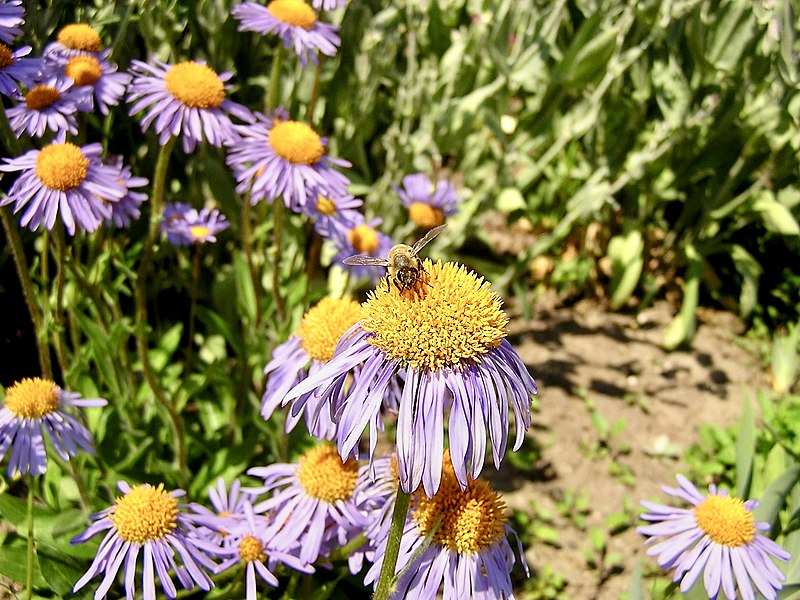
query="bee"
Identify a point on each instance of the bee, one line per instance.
(402, 265)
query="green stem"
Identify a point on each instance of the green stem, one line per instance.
(21, 263)
(386, 579)
(29, 569)
(192, 305)
(275, 79)
(277, 224)
(58, 318)
(247, 246)
(312, 104)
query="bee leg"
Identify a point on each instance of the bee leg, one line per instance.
(397, 285)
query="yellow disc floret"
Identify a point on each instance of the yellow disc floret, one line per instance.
(199, 232)
(32, 398)
(324, 324)
(145, 513)
(62, 166)
(726, 521)
(296, 142)
(364, 239)
(6, 56)
(469, 520)
(293, 12)
(80, 36)
(451, 319)
(195, 85)
(41, 97)
(425, 215)
(251, 549)
(84, 70)
(326, 206)
(324, 476)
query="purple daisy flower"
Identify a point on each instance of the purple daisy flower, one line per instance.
(360, 237)
(12, 15)
(335, 211)
(47, 106)
(295, 22)
(95, 80)
(184, 225)
(149, 520)
(228, 514)
(427, 205)
(303, 353)
(64, 179)
(275, 158)
(469, 555)
(126, 209)
(717, 537)
(187, 100)
(35, 407)
(445, 338)
(75, 39)
(311, 503)
(14, 69)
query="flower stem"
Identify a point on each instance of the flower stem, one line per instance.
(247, 247)
(386, 579)
(192, 304)
(312, 104)
(277, 224)
(29, 569)
(58, 316)
(275, 79)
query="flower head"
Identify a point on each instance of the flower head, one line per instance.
(427, 205)
(229, 513)
(295, 22)
(187, 100)
(46, 107)
(14, 69)
(127, 208)
(64, 179)
(311, 346)
(95, 81)
(35, 407)
(184, 225)
(149, 520)
(330, 212)
(280, 158)
(445, 339)
(12, 15)
(360, 237)
(74, 39)
(469, 552)
(717, 537)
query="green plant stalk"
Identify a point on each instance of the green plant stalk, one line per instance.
(192, 304)
(29, 566)
(277, 224)
(247, 247)
(312, 103)
(58, 316)
(386, 578)
(275, 79)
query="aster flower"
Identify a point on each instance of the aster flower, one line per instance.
(295, 22)
(427, 205)
(14, 69)
(469, 555)
(64, 179)
(376, 491)
(305, 352)
(276, 157)
(126, 209)
(149, 520)
(184, 225)
(445, 339)
(75, 39)
(47, 106)
(12, 15)
(333, 211)
(228, 514)
(360, 237)
(311, 504)
(35, 407)
(717, 537)
(95, 80)
(186, 100)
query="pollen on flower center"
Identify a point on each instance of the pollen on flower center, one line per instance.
(726, 521)
(364, 239)
(293, 12)
(195, 85)
(323, 475)
(61, 166)
(84, 70)
(41, 97)
(296, 142)
(453, 319)
(6, 56)
(324, 324)
(326, 206)
(199, 232)
(425, 215)
(80, 36)
(145, 513)
(471, 520)
(32, 398)
(251, 549)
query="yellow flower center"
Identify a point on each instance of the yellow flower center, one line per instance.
(425, 215)
(326, 206)
(364, 239)
(199, 232)
(61, 166)
(296, 142)
(293, 12)
(323, 325)
(471, 520)
(32, 398)
(6, 57)
(145, 513)
(84, 70)
(251, 549)
(80, 36)
(41, 97)
(726, 521)
(324, 476)
(451, 319)
(195, 85)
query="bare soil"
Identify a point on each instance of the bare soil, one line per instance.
(614, 361)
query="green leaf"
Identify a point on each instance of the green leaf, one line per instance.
(13, 563)
(776, 216)
(785, 361)
(245, 293)
(510, 199)
(750, 270)
(731, 32)
(636, 589)
(681, 328)
(745, 449)
(774, 497)
(625, 252)
(588, 54)
(59, 570)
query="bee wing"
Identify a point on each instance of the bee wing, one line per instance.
(365, 260)
(420, 244)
